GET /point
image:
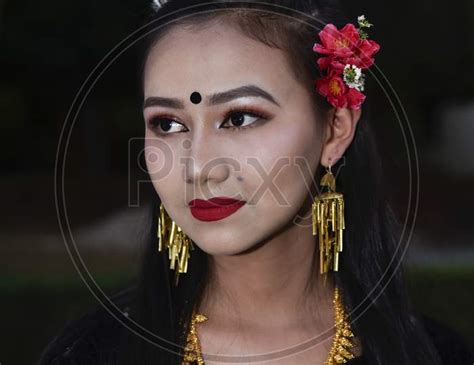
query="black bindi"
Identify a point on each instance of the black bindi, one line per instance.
(195, 97)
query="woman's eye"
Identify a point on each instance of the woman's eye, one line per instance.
(166, 125)
(241, 119)
(235, 120)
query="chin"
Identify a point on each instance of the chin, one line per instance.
(219, 246)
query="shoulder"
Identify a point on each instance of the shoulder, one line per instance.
(451, 345)
(90, 339)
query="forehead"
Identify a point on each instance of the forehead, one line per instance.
(213, 59)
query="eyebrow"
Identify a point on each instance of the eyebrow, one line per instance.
(214, 99)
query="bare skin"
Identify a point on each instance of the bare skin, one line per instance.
(261, 254)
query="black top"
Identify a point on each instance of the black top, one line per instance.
(93, 339)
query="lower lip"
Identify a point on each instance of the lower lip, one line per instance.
(217, 213)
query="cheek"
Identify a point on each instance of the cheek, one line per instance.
(162, 166)
(287, 164)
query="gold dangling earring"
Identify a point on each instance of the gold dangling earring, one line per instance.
(171, 236)
(328, 222)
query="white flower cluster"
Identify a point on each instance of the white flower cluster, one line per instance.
(353, 77)
(363, 22)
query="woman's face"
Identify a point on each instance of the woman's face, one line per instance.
(194, 150)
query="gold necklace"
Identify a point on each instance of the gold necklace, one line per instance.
(338, 354)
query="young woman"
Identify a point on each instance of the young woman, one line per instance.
(231, 107)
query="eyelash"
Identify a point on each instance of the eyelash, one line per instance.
(155, 121)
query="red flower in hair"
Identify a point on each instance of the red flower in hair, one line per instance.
(338, 43)
(346, 52)
(363, 54)
(338, 93)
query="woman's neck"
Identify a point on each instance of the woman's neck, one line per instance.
(266, 286)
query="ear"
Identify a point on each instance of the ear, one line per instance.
(340, 132)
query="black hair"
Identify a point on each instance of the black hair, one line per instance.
(388, 326)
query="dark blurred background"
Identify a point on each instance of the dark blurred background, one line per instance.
(49, 48)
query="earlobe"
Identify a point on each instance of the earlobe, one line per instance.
(340, 133)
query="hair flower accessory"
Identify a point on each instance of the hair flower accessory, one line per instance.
(347, 51)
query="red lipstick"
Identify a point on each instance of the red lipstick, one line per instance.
(214, 209)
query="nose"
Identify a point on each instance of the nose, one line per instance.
(205, 163)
